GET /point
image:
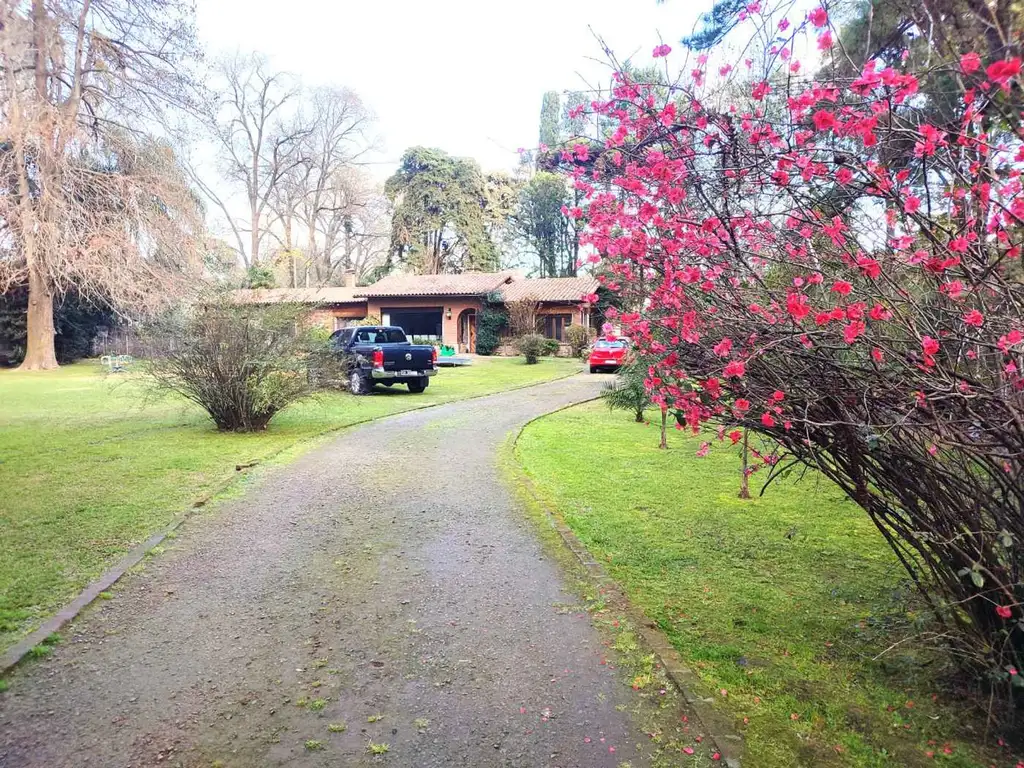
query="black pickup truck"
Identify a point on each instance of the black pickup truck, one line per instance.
(381, 354)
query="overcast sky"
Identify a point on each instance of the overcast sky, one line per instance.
(463, 75)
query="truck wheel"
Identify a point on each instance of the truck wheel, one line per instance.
(358, 384)
(418, 385)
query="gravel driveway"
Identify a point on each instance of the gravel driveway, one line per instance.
(385, 583)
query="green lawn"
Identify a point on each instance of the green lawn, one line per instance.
(778, 603)
(88, 467)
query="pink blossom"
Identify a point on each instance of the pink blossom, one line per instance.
(818, 17)
(722, 348)
(1000, 72)
(970, 62)
(735, 368)
(661, 50)
(975, 318)
(842, 287)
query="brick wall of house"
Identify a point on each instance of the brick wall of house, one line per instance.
(327, 316)
(447, 304)
(336, 316)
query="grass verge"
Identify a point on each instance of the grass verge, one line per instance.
(778, 604)
(89, 467)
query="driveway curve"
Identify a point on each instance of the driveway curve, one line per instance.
(382, 591)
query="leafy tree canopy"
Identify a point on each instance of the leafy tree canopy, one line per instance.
(440, 221)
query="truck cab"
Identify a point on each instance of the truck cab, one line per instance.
(382, 354)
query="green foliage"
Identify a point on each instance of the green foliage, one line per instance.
(242, 364)
(531, 347)
(715, 24)
(628, 392)
(550, 107)
(543, 228)
(572, 126)
(605, 300)
(76, 321)
(550, 347)
(490, 322)
(260, 276)
(440, 221)
(578, 337)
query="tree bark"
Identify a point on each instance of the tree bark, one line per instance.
(745, 478)
(40, 354)
(664, 428)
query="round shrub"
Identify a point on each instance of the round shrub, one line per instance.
(531, 347)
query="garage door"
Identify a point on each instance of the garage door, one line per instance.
(424, 322)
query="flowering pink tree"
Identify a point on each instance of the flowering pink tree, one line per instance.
(818, 263)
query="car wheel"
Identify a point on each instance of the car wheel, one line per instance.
(419, 385)
(593, 369)
(358, 384)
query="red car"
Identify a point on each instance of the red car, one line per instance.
(608, 353)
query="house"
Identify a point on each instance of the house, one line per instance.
(440, 307)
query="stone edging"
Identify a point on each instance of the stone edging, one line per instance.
(726, 740)
(17, 652)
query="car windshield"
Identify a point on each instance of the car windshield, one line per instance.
(609, 344)
(380, 336)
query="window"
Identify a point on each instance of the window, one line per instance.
(342, 338)
(609, 344)
(380, 336)
(554, 326)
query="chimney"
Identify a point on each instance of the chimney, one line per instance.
(348, 279)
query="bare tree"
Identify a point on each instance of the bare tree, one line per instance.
(369, 235)
(86, 197)
(324, 193)
(522, 316)
(253, 122)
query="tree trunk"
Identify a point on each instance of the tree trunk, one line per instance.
(39, 350)
(664, 428)
(745, 479)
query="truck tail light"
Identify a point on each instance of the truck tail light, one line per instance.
(378, 358)
(433, 356)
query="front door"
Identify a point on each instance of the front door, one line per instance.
(467, 330)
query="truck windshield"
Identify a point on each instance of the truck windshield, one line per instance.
(380, 336)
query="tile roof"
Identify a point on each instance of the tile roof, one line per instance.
(298, 296)
(550, 289)
(464, 284)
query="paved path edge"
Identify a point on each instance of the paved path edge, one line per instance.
(14, 655)
(728, 742)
